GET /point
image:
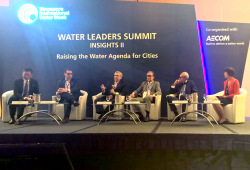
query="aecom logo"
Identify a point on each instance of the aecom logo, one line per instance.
(27, 13)
(218, 38)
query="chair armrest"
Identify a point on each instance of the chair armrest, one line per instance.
(241, 98)
(4, 99)
(158, 100)
(84, 92)
(97, 96)
(194, 97)
(173, 95)
(83, 98)
(121, 99)
(82, 101)
(4, 105)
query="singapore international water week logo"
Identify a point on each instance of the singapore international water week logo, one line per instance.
(27, 13)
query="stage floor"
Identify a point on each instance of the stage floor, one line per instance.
(148, 145)
(201, 126)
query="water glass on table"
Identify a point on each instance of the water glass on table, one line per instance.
(31, 99)
(107, 98)
(188, 98)
(127, 98)
(58, 98)
(205, 97)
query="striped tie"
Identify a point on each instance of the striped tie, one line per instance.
(25, 91)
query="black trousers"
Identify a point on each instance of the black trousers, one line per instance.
(69, 100)
(20, 108)
(100, 109)
(172, 106)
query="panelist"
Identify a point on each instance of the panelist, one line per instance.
(231, 88)
(23, 87)
(179, 89)
(112, 87)
(69, 90)
(145, 94)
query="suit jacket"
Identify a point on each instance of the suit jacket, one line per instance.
(18, 87)
(190, 88)
(74, 86)
(155, 88)
(121, 88)
(233, 87)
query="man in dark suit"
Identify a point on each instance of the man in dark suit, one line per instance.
(23, 87)
(69, 90)
(145, 94)
(179, 89)
(112, 87)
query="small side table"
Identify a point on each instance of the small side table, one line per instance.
(46, 112)
(199, 112)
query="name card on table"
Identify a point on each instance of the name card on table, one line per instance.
(20, 102)
(47, 102)
(132, 102)
(103, 103)
(212, 102)
(180, 101)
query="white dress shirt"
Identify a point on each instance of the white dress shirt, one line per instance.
(67, 85)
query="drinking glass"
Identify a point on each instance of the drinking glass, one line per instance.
(188, 98)
(30, 98)
(58, 98)
(204, 97)
(107, 98)
(127, 98)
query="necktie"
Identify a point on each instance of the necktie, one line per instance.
(183, 88)
(148, 86)
(25, 91)
(115, 85)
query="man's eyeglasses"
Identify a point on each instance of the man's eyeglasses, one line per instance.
(181, 77)
(149, 76)
(69, 73)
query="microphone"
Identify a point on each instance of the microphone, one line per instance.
(113, 86)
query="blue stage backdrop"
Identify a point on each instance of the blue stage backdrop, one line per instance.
(223, 45)
(96, 38)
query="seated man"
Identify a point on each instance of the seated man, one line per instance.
(23, 87)
(68, 89)
(145, 94)
(118, 86)
(180, 88)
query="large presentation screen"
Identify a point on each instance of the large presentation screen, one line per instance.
(95, 38)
